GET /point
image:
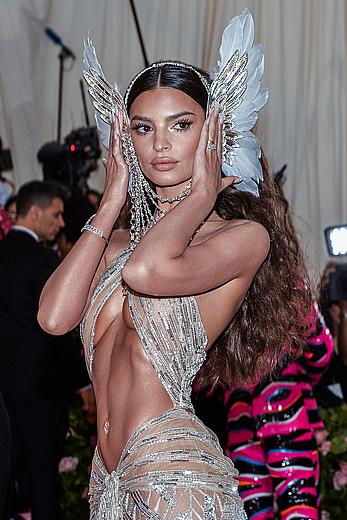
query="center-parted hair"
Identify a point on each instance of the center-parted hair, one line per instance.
(271, 321)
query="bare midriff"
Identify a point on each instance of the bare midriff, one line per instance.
(127, 389)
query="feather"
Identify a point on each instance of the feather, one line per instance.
(106, 99)
(90, 61)
(236, 86)
(239, 34)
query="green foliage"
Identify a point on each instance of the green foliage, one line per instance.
(334, 501)
(73, 500)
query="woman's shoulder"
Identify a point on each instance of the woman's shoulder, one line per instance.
(250, 232)
(246, 226)
(238, 227)
(241, 237)
(241, 241)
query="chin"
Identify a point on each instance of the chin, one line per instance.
(166, 179)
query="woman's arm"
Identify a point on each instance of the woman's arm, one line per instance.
(161, 269)
(66, 294)
(164, 265)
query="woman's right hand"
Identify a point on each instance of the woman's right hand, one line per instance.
(207, 173)
(117, 171)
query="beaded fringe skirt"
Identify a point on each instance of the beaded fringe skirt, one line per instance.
(171, 468)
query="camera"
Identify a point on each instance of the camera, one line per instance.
(71, 162)
(83, 142)
(5, 158)
(336, 240)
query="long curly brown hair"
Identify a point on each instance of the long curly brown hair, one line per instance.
(271, 321)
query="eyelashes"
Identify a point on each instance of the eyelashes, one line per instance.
(180, 126)
(140, 128)
(185, 125)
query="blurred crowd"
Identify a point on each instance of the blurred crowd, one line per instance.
(271, 431)
(39, 374)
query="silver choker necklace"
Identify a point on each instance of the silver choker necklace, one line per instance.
(142, 216)
(170, 200)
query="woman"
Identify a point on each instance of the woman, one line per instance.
(152, 309)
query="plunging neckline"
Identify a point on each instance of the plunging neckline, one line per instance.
(129, 292)
(170, 331)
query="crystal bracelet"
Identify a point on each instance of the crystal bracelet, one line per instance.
(92, 229)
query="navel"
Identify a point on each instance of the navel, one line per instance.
(107, 425)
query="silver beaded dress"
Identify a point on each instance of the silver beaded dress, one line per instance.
(172, 467)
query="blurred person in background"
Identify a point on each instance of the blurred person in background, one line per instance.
(5, 223)
(332, 388)
(5, 431)
(11, 208)
(5, 460)
(35, 368)
(77, 210)
(94, 198)
(272, 433)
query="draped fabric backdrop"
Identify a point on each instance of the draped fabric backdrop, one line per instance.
(303, 124)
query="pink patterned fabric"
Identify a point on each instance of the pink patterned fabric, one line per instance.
(271, 433)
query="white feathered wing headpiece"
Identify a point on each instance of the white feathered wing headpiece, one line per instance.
(236, 87)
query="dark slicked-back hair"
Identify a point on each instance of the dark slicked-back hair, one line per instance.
(40, 193)
(168, 75)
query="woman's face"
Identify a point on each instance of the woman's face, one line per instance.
(165, 127)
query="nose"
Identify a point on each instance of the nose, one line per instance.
(161, 142)
(61, 222)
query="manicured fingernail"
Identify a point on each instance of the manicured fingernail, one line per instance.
(221, 117)
(216, 108)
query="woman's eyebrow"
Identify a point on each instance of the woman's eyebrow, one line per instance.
(179, 114)
(141, 118)
(167, 118)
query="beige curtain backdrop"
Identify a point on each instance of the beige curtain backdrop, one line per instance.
(303, 124)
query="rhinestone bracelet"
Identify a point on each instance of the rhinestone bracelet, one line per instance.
(92, 229)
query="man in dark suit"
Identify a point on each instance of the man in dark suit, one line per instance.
(33, 364)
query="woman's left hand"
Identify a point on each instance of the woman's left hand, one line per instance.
(207, 173)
